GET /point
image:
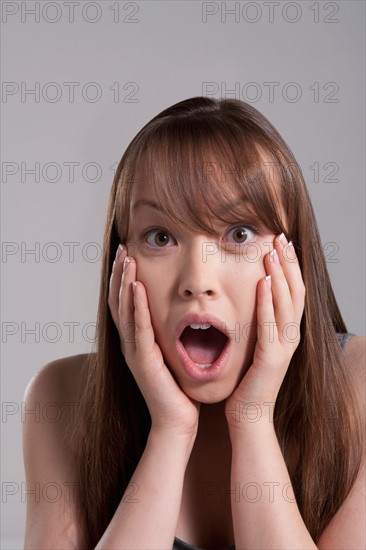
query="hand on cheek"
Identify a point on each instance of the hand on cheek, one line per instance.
(280, 300)
(170, 409)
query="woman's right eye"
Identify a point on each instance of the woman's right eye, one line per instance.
(156, 237)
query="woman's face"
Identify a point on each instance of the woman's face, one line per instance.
(197, 273)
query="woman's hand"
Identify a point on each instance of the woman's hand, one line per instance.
(171, 410)
(280, 306)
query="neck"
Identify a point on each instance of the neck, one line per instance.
(212, 417)
(212, 448)
(205, 509)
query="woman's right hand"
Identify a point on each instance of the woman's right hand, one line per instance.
(171, 410)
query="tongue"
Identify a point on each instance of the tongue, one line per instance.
(203, 346)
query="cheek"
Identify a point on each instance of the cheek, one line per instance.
(151, 276)
(253, 255)
(247, 272)
(242, 288)
(155, 281)
(156, 285)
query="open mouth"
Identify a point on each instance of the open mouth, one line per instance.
(203, 344)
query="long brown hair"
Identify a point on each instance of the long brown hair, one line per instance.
(198, 154)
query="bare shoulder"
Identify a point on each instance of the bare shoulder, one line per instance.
(54, 393)
(356, 346)
(62, 378)
(347, 528)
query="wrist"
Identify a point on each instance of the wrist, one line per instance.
(168, 438)
(243, 415)
(248, 419)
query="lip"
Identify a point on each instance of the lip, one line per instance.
(216, 369)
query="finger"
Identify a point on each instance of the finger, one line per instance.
(115, 283)
(144, 331)
(267, 329)
(292, 272)
(126, 307)
(152, 371)
(281, 296)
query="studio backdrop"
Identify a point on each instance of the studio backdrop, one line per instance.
(79, 79)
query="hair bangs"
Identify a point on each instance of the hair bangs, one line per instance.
(204, 171)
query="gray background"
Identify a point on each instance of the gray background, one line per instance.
(155, 53)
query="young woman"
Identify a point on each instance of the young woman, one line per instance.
(224, 402)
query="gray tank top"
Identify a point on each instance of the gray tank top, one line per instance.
(179, 544)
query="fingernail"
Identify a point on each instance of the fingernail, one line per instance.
(283, 239)
(274, 256)
(119, 250)
(268, 282)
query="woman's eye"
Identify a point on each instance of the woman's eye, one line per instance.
(241, 234)
(157, 237)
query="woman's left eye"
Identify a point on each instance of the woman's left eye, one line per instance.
(242, 233)
(156, 237)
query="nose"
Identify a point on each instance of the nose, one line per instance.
(198, 274)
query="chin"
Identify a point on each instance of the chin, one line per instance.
(209, 394)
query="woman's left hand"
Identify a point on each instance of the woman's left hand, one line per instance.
(280, 307)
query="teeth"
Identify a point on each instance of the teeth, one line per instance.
(204, 366)
(203, 326)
